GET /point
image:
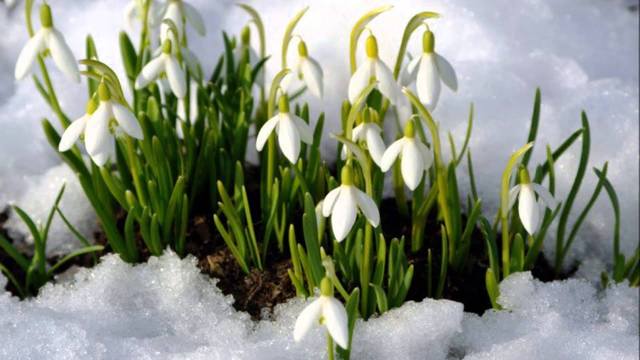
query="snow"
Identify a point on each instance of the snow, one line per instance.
(167, 309)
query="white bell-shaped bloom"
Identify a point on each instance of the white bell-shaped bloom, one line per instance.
(416, 158)
(530, 209)
(165, 63)
(369, 132)
(291, 130)
(98, 126)
(428, 71)
(177, 11)
(343, 202)
(373, 69)
(134, 11)
(325, 310)
(308, 70)
(47, 38)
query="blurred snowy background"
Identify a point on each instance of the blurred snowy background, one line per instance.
(582, 53)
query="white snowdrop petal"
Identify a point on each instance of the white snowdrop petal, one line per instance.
(427, 155)
(375, 144)
(130, 14)
(127, 121)
(150, 72)
(304, 129)
(391, 154)
(403, 106)
(408, 75)
(100, 158)
(329, 201)
(336, 321)
(428, 81)
(265, 131)
(174, 14)
(447, 73)
(343, 214)
(97, 129)
(360, 80)
(62, 55)
(194, 18)
(545, 195)
(312, 76)
(513, 196)
(107, 151)
(72, 133)
(368, 207)
(28, 54)
(307, 318)
(288, 138)
(357, 133)
(528, 209)
(176, 77)
(412, 164)
(386, 82)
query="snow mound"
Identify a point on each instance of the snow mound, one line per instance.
(559, 320)
(166, 309)
(37, 202)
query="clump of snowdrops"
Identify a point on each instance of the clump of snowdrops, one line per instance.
(179, 142)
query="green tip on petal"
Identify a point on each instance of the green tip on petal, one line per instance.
(245, 36)
(45, 16)
(302, 49)
(283, 104)
(524, 176)
(326, 287)
(428, 42)
(346, 175)
(166, 46)
(103, 92)
(409, 129)
(372, 46)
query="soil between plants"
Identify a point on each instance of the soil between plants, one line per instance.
(258, 292)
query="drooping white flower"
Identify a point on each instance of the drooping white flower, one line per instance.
(99, 124)
(428, 70)
(529, 209)
(47, 38)
(165, 63)
(308, 70)
(416, 158)
(343, 202)
(291, 130)
(325, 310)
(135, 11)
(177, 11)
(369, 132)
(373, 69)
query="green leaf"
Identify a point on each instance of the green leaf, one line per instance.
(85, 250)
(492, 288)
(381, 298)
(13, 253)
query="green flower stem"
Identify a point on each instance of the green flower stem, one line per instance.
(135, 172)
(53, 99)
(330, 354)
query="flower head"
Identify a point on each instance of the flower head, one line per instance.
(369, 132)
(290, 130)
(343, 202)
(428, 70)
(308, 70)
(325, 310)
(98, 124)
(528, 207)
(373, 68)
(416, 158)
(177, 11)
(47, 38)
(165, 63)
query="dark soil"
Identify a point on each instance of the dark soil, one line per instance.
(260, 291)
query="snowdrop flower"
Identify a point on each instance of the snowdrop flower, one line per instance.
(135, 10)
(528, 208)
(176, 11)
(325, 310)
(369, 132)
(290, 129)
(164, 63)
(308, 70)
(98, 124)
(373, 69)
(343, 202)
(429, 70)
(47, 38)
(416, 157)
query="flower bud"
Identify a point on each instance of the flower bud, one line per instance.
(245, 36)
(302, 49)
(45, 16)
(428, 42)
(371, 46)
(283, 104)
(346, 175)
